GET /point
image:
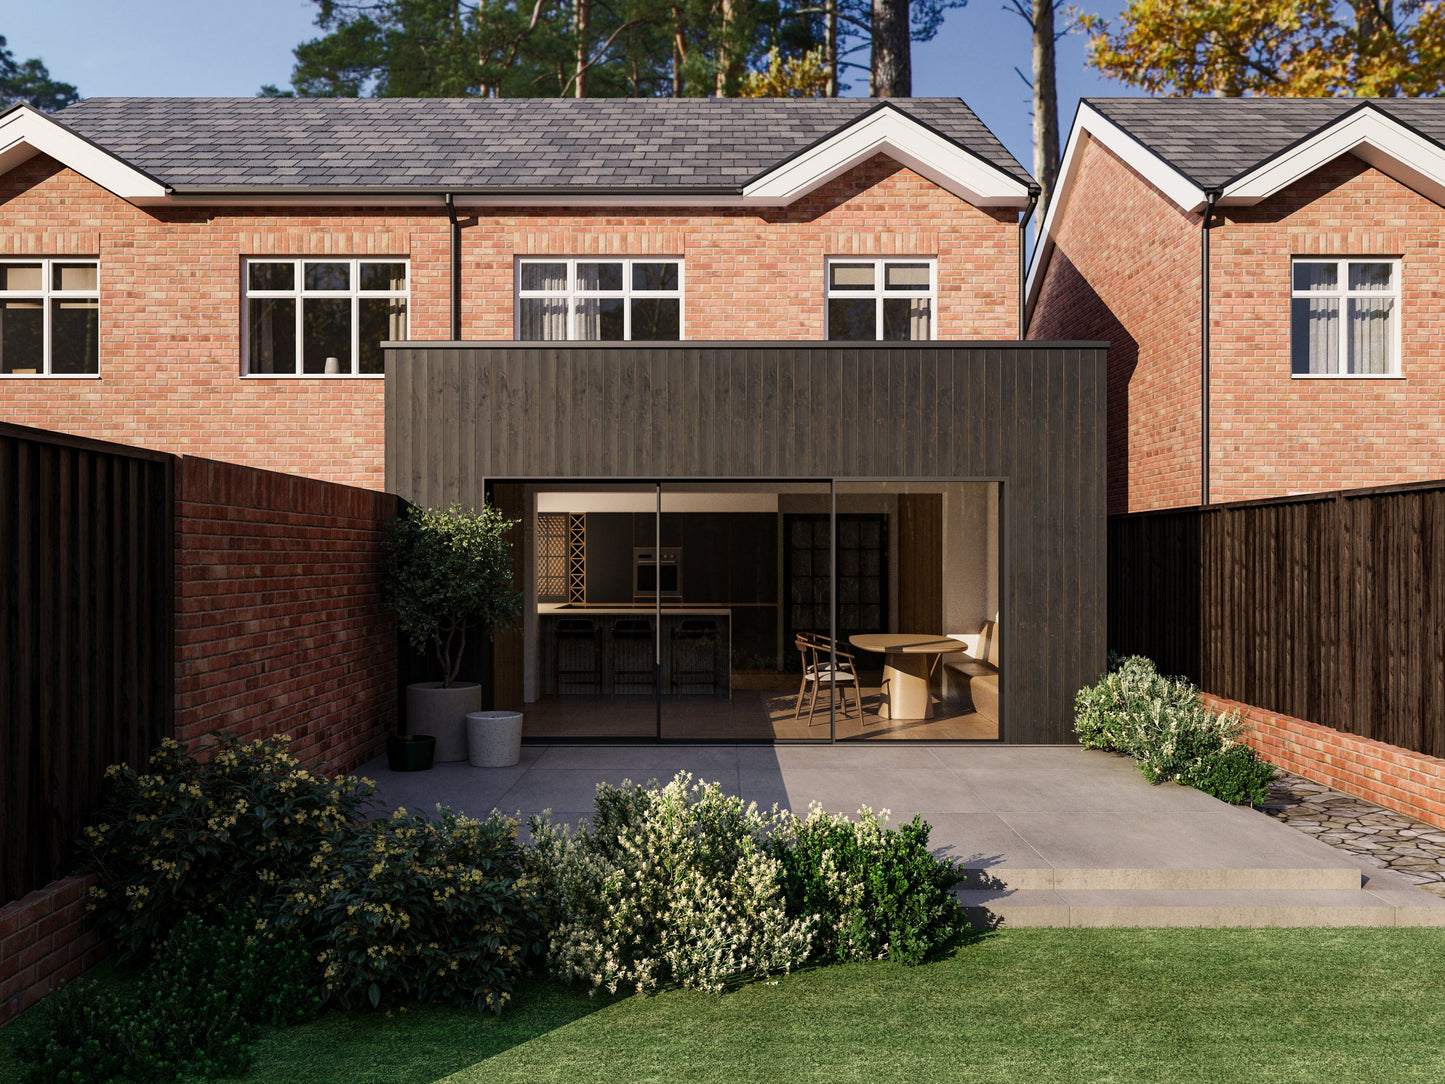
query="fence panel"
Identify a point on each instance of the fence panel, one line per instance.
(86, 553)
(1328, 607)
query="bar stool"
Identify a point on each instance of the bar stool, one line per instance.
(694, 653)
(577, 654)
(634, 662)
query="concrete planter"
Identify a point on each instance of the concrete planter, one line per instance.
(494, 738)
(441, 712)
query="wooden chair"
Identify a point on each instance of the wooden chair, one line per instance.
(817, 654)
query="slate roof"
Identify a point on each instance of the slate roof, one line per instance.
(1214, 140)
(478, 143)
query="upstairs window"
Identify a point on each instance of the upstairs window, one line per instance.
(324, 317)
(49, 317)
(599, 300)
(881, 300)
(1345, 318)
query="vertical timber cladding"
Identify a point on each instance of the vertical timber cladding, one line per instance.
(1032, 415)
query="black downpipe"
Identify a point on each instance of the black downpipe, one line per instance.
(456, 269)
(1206, 222)
(1023, 262)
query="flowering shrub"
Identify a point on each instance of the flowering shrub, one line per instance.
(187, 837)
(431, 910)
(676, 884)
(1163, 725)
(877, 892)
(194, 1009)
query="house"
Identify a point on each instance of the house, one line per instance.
(1309, 231)
(703, 350)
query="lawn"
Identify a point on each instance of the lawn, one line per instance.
(1017, 1005)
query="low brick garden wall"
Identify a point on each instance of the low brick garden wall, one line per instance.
(1399, 779)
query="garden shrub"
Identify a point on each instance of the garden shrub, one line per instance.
(877, 892)
(191, 837)
(429, 910)
(194, 1008)
(674, 884)
(1162, 723)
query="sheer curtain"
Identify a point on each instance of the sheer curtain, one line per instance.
(1370, 334)
(1316, 335)
(544, 318)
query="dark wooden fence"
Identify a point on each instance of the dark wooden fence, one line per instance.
(86, 553)
(1327, 607)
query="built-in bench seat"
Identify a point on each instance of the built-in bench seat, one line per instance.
(976, 675)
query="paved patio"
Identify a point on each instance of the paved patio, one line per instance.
(1049, 835)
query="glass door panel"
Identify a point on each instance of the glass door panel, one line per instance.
(732, 668)
(917, 586)
(592, 643)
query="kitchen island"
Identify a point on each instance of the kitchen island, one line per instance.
(616, 650)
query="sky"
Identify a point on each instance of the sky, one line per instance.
(206, 47)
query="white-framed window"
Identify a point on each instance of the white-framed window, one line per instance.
(601, 299)
(881, 300)
(1345, 317)
(49, 316)
(322, 316)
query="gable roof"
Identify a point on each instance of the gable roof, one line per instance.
(1240, 151)
(513, 150)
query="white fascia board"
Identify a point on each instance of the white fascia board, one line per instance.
(25, 132)
(1092, 126)
(1369, 134)
(888, 131)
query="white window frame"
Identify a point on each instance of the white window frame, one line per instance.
(46, 294)
(878, 292)
(573, 295)
(1344, 294)
(298, 294)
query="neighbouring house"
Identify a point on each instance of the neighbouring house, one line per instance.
(708, 352)
(1320, 271)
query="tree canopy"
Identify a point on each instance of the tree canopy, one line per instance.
(29, 82)
(1370, 48)
(604, 48)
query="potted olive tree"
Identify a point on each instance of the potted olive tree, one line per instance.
(449, 571)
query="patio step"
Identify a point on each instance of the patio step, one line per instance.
(1206, 908)
(1334, 876)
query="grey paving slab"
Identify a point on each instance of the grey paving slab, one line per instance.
(1029, 789)
(572, 788)
(1035, 757)
(1219, 840)
(665, 761)
(855, 756)
(902, 791)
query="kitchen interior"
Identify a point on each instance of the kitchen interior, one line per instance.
(675, 611)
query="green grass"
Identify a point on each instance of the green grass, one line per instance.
(1020, 1005)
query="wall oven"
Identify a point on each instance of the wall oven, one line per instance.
(656, 572)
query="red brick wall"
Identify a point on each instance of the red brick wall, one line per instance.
(1126, 269)
(43, 943)
(1270, 434)
(171, 296)
(1400, 779)
(280, 626)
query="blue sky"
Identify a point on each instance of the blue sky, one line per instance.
(143, 47)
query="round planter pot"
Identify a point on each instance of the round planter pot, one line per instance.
(442, 713)
(494, 738)
(411, 753)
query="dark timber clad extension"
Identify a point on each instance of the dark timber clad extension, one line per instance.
(458, 414)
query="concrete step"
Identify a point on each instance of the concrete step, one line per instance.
(1337, 875)
(1201, 907)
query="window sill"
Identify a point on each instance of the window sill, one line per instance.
(313, 376)
(49, 376)
(1347, 376)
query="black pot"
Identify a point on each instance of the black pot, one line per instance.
(410, 752)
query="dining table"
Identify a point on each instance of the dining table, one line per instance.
(909, 660)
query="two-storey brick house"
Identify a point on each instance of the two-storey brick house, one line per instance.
(700, 348)
(1319, 367)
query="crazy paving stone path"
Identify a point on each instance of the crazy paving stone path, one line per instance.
(1379, 836)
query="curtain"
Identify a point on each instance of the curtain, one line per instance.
(544, 318)
(1370, 334)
